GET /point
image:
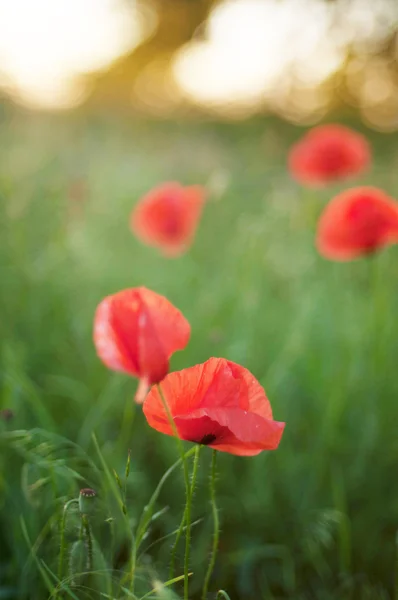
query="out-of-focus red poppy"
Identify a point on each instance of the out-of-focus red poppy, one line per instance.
(329, 153)
(356, 222)
(219, 404)
(168, 216)
(136, 331)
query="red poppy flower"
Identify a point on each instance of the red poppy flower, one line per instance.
(328, 153)
(217, 403)
(357, 221)
(167, 217)
(136, 331)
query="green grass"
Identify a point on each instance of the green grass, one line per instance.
(316, 519)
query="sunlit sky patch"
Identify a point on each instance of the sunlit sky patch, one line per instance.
(253, 48)
(45, 45)
(279, 54)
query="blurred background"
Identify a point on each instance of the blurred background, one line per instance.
(104, 99)
(298, 59)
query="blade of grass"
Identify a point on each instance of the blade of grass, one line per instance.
(43, 573)
(165, 584)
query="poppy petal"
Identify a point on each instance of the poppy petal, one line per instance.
(108, 342)
(357, 222)
(137, 330)
(215, 382)
(167, 217)
(185, 389)
(329, 153)
(217, 403)
(257, 400)
(255, 432)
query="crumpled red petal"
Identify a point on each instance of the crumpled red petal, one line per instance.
(137, 330)
(217, 403)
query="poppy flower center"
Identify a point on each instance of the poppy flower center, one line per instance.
(207, 439)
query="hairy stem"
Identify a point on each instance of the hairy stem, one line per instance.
(396, 568)
(175, 544)
(216, 523)
(62, 548)
(89, 542)
(180, 447)
(188, 508)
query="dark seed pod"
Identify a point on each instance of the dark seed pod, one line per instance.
(87, 501)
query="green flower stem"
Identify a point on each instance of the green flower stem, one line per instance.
(89, 542)
(188, 522)
(148, 511)
(396, 567)
(175, 545)
(62, 548)
(187, 483)
(216, 524)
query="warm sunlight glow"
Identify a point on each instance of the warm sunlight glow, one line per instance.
(46, 45)
(252, 45)
(255, 50)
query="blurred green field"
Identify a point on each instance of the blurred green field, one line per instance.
(316, 519)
